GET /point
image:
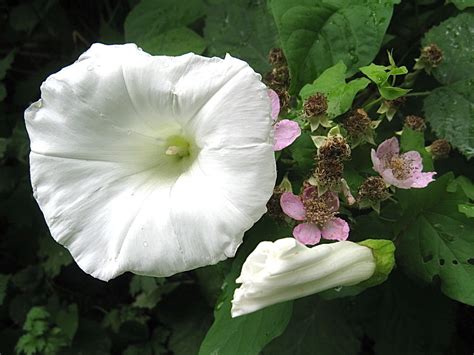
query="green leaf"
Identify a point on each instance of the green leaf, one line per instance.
(243, 29)
(449, 110)
(467, 209)
(315, 35)
(175, 42)
(333, 84)
(54, 256)
(436, 240)
(246, 334)
(377, 73)
(414, 140)
(454, 37)
(465, 184)
(159, 26)
(391, 93)
(462, 4)
(317, 327)
(68, 321)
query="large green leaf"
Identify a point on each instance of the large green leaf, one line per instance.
(317, 327)
(244, 30)
(159, 26)
(462, 4)
(454, 37)
(450, 111)
(317, 34)
(246, 334)
(436, 242)
(332, 83)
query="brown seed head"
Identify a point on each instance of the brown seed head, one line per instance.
(373, 189)
(440, 149)
(357, 123)
(320, 209)
(416, 123)
(335, 148)
(276, 57)
(432, 55)
(329, 173)
(273, 205)
(315, 105)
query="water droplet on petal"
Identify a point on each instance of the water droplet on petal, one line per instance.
(90, 68)
(129, 132)
(39, 103)
(145, 243)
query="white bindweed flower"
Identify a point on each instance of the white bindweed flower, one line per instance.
(151, 164)
(286, 269)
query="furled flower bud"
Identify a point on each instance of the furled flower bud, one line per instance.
(285, 269)
(334, 148)
(416, 123)
(357, 123)
(439, 149)
(373, 189)
(315, 105)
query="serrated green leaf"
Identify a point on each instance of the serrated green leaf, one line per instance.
(244, 335)
(391, 93)
(315, 35)
(436, 241)
(465, 184)
(159, 26)
(68, 321)
(449, 110)
(377, 73)
(339, 94)
(454, 37)
(243, 29)
(53, 255)
(467, 209)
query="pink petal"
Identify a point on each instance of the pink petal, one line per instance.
(415, 158)
(378, 165)
(388, 148)
(337, 229)
(390, 179)
(292, 206)
(309, 192)
(423, 179)
(286, 132)
(275, 102)
(334, 203)
(307, 233)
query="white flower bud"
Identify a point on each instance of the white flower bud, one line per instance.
(286, 269)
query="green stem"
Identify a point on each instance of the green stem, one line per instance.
(368, 106)
(420, 93)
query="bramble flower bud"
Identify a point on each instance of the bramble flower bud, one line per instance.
(390, 107)
(285, 270)
(315, 105)
(439, 149)
(416, 123)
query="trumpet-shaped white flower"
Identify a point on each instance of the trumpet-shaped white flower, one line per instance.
(151, 164)
(286, 269)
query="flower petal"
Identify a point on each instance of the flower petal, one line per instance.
(378, 166)
(286, 132)
(99, 170)
(275, 102)
(337, 229)
(388, 148)
(422, 179)
(307, 233)
(292, 206)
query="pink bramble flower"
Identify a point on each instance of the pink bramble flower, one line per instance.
(285, 131)
(318, 214)
(401, 170)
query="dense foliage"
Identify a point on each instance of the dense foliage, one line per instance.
(371, 55)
